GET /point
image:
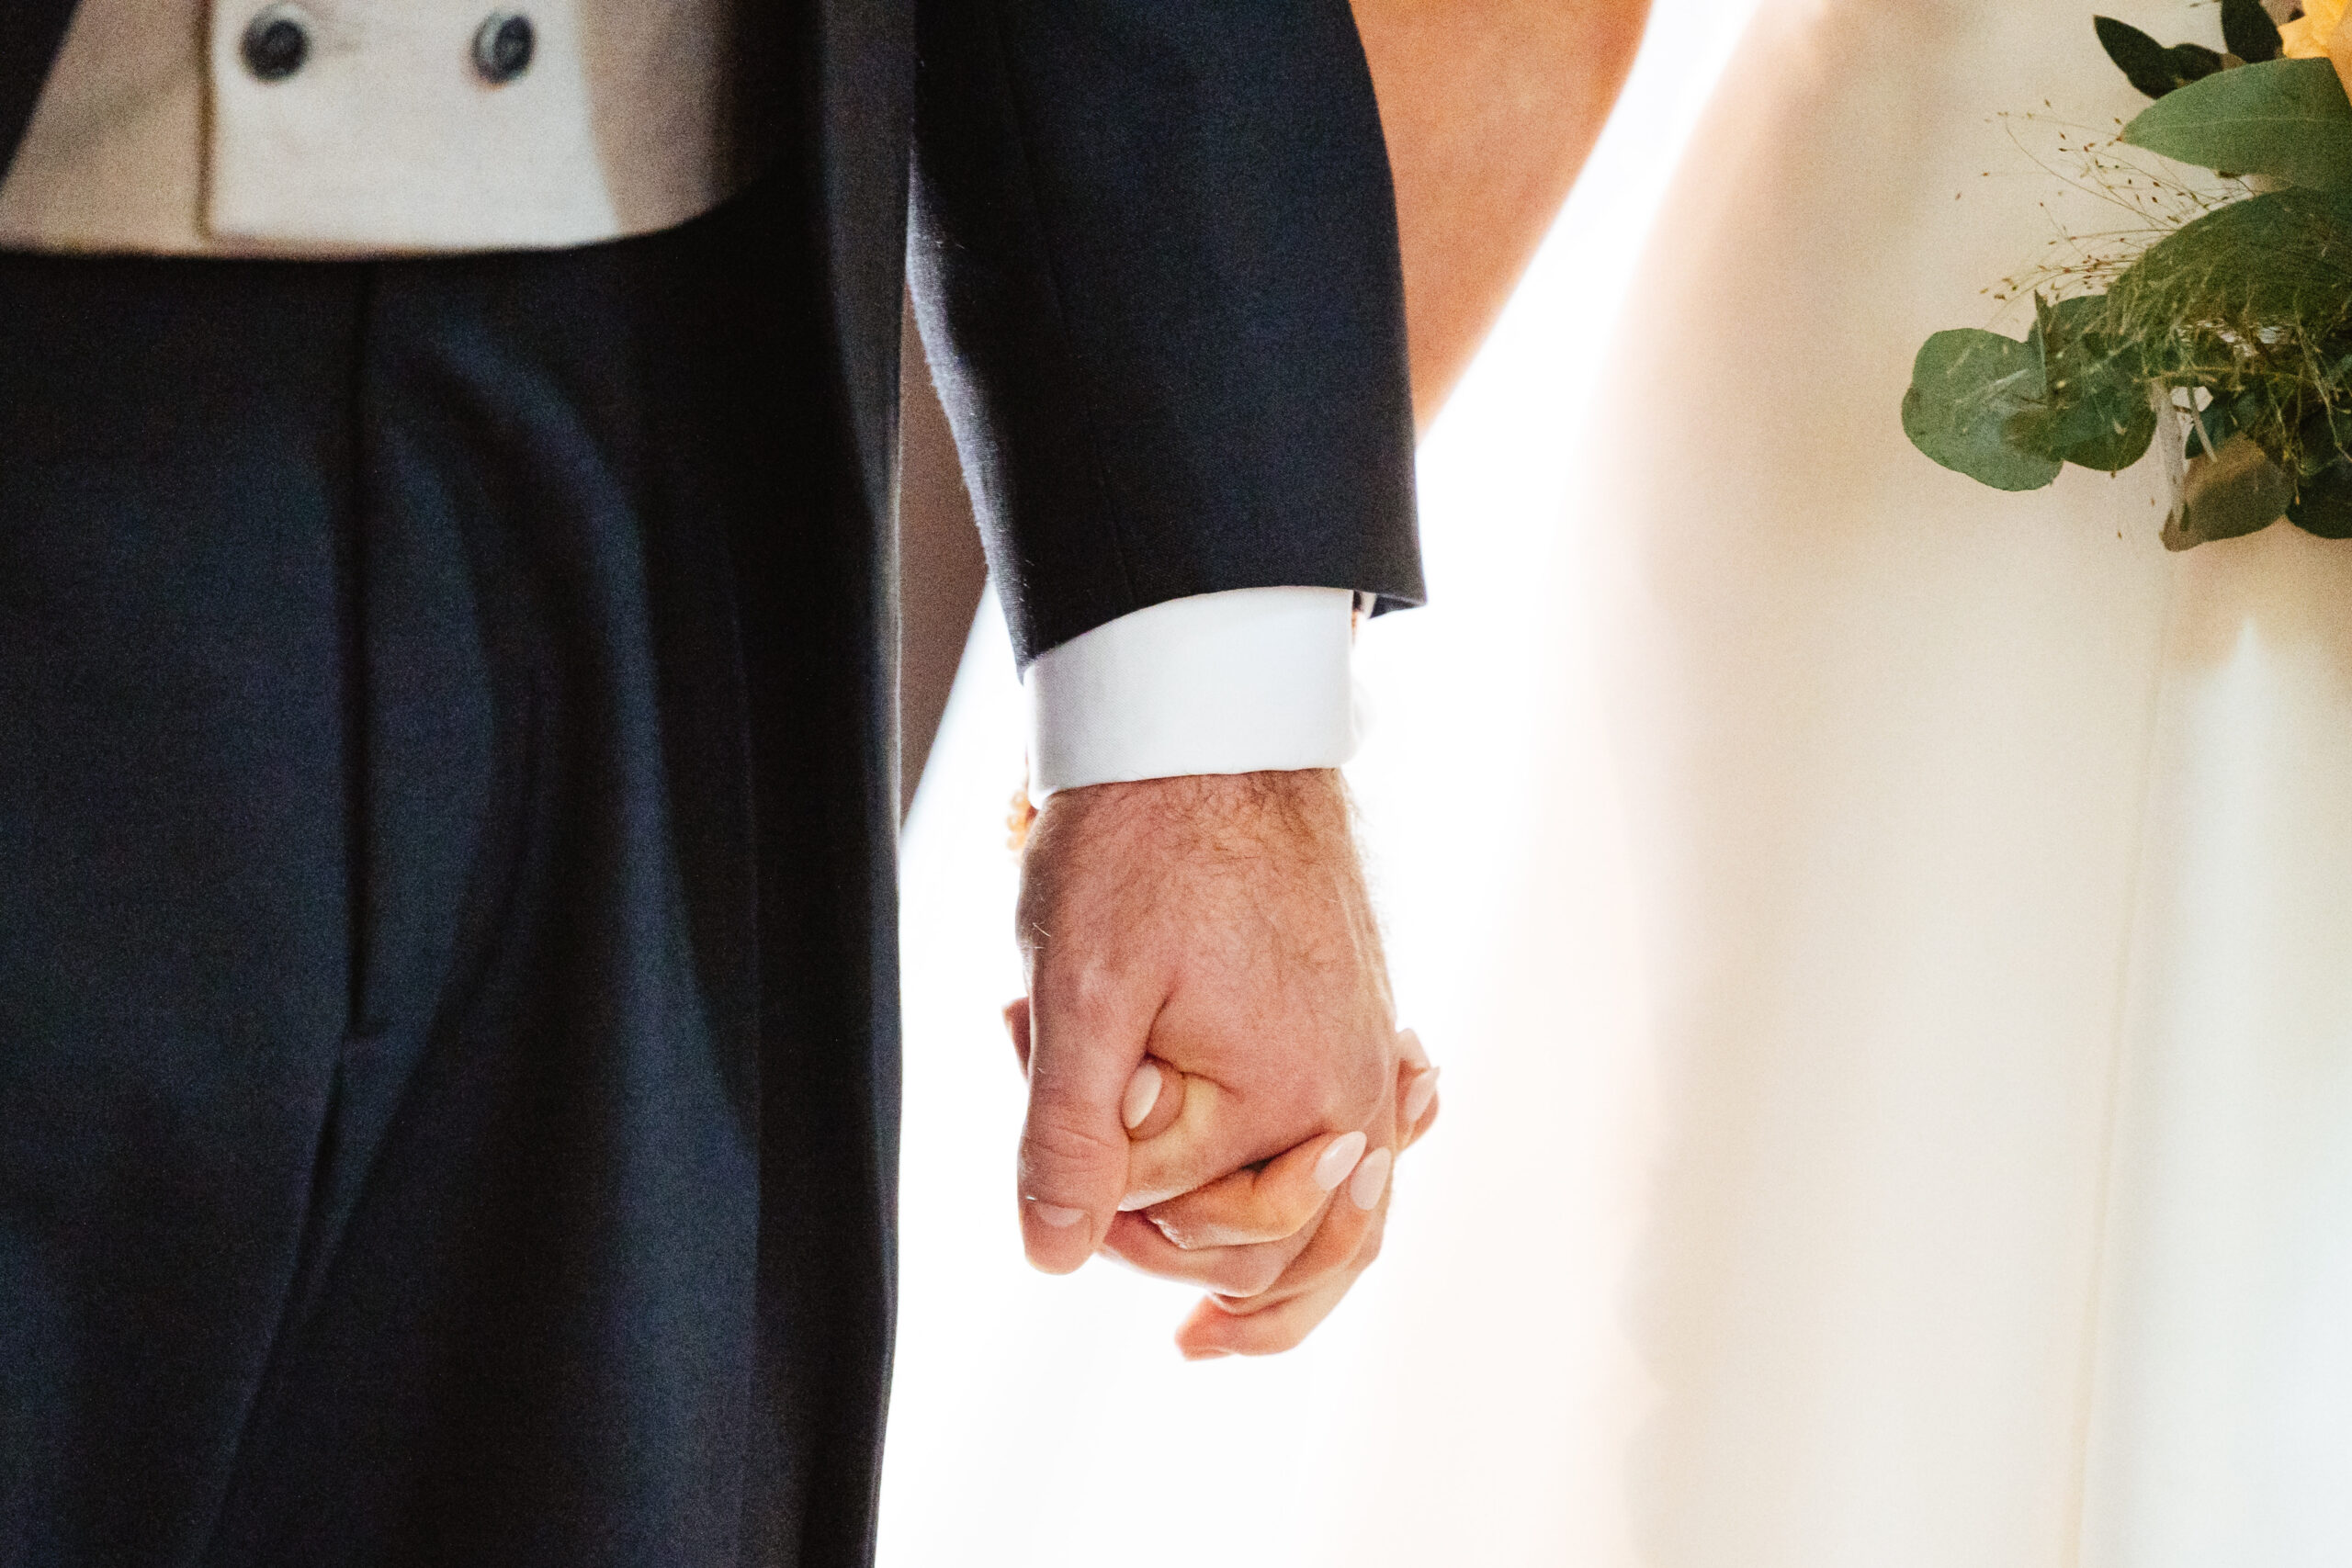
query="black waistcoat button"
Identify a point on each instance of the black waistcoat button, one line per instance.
(276, 43)
(502, 46)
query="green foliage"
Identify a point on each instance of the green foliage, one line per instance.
(2242, 314)
(2251, 302)
(2009, 414)
(1966, 387)
(2248, 32)
(2149, 65)
(2287, 119)
(2279, 260)
(2095, 409)
(2238, 490)
(2323, 502)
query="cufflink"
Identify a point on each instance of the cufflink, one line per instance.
(502, 46)
(277, 44)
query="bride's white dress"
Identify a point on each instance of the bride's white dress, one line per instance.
(1998, 871)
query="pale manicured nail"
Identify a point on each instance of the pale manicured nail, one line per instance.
(1409, 1045)
(1338, 1160)
(1054, 1214)
(1371, 1179)
(1417, 1095)
(1143, 1093)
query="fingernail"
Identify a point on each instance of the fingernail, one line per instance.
(1417, 1095)
(1409, 1045)
(1143, 1093)
(1338, 1160)
(1371, 1179)
(1054, 1214)
(1207, 1353)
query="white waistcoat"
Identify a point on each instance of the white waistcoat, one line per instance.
(373, 126)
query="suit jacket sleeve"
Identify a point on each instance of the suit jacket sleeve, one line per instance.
(1154, 259)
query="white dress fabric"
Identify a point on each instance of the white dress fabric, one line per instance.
(1889, 943)
(1995, 871)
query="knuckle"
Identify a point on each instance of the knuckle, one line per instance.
(1321, 1273)
(1200, 1233)
(1352, 1095)
(1057, 1143)
(1295, 1215)
(1181, 1233)
(1245, 1277)
(1085, 992)
(1262, 1223)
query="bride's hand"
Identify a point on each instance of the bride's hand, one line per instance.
(1278, 1244)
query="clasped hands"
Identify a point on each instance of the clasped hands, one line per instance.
(1217, 1086)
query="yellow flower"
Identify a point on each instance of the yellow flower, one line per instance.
(2306, 37)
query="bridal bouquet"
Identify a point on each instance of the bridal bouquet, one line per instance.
(2225, 338)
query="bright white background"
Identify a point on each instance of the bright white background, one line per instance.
(1470, 1403)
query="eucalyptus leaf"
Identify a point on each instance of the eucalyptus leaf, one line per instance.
(2125, 424)
(2323, 502)
(1967, 387)
(2237, 490)
(2248, 32)
(2245, 282)
(2287, 119)
(2149, 65)
(2095, 409)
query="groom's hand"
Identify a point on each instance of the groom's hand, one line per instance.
(1218, 926)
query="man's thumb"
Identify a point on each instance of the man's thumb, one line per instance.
(1074, 1146)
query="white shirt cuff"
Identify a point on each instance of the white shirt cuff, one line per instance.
(1235, 682)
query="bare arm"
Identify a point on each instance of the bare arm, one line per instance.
(1491, 108)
